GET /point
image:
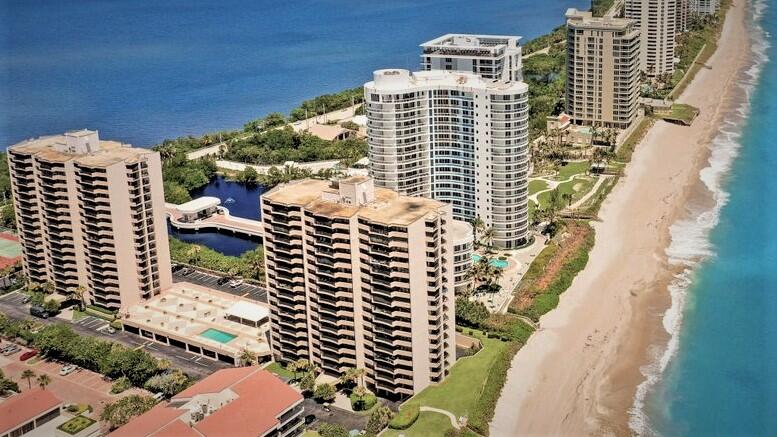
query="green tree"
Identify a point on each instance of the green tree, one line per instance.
(43, 380)
(176, 193)
(470, 313)
(28, 375)
(247, 358)
(324, 392)
(51, 306)
(122, 411)
(169, 384)
(308, 382)
(379, 419)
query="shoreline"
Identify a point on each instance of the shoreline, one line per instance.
(579, 374)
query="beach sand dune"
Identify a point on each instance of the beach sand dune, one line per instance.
(579, 373)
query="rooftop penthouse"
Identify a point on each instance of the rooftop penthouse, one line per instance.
(586, 20)
(494, 57)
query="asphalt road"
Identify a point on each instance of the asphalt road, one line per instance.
(194, 365)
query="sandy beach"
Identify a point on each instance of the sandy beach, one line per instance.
(579, 373)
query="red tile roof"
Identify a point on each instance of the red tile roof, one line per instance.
(262, 397)
(217, 382)
(21, 408)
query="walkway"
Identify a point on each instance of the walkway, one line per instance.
(223, 221)
(552, 184)
(590, 193)
(454, 421)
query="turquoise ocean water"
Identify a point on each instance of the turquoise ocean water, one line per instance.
(144, 70)
(719, 374)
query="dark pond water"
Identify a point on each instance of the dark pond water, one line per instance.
(241, 201)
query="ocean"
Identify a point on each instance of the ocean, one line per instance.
(718, 376)
(141, 71)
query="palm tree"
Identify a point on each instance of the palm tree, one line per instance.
(488, 237)
(78, 294)
(194, 253)
(594, 133)
(477, 226)
(44, 380)
(247, 358)
(28, 375)
(568, 198)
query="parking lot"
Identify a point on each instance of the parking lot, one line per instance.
(13, 298)
(92, 322)
(81, 386)
(246, 290)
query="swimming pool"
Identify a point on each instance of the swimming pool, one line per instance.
(498, 263)
(216, 335)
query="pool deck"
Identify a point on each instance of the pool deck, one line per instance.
(222, 221)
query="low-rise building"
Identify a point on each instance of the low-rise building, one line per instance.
(215, 325)
(245, 401)
(24, 412)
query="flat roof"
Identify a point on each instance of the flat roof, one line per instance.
(388, 207)
(325, 131)
(461, 232)
(196, 205)
(248, 311)
(468, 40)
(398, 80)
(25, 406)
(110, 152)
(586, 19)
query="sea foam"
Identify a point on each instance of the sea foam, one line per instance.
(690, 244)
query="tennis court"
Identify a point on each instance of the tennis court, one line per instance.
(10, 249)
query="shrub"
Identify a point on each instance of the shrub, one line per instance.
(469, 313)
(379, 419)
(406, 417)
(76, 425)
(169, 384)
(120, 385)
(331, 430)
(492, 388)
(363, 403)
(122, 411)
(116, 324)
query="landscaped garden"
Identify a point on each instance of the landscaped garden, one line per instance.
(76, 425)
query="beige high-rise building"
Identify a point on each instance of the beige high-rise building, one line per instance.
(90, 214)
(361, 277)
(657, 30)
(602, 69)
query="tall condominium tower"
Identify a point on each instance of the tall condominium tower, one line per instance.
(361, 277)
(703, 7)
(454, 137)
(91, 214)
(681, 16)
(602, 69)
(491, 56)
(657, 29)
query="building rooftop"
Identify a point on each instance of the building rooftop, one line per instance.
(199, 204)
(21, 408)
(399, 79)
(586, 19)
(244, 401)
(461, 232)
(470, 41)
(76, 146)
(387, 207)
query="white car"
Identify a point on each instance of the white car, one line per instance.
(67, 370)
(235, 283)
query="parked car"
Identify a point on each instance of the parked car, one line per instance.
(176, 267)
(186, 271)
(310, 418)
(11, 350)
(38, 311)
(68, 369)
(27, 355)
(223, 280)
(159, 396)
(110, 330)
(26, 299)
(235, 283)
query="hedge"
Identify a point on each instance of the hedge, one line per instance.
(483, 412)
(406, 417)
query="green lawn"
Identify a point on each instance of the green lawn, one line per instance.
(310, 433)
(76, 425)
(459, 392)
(429, 423)
(578, 187)
(572, 169)
(279, 370)
(536, 186)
